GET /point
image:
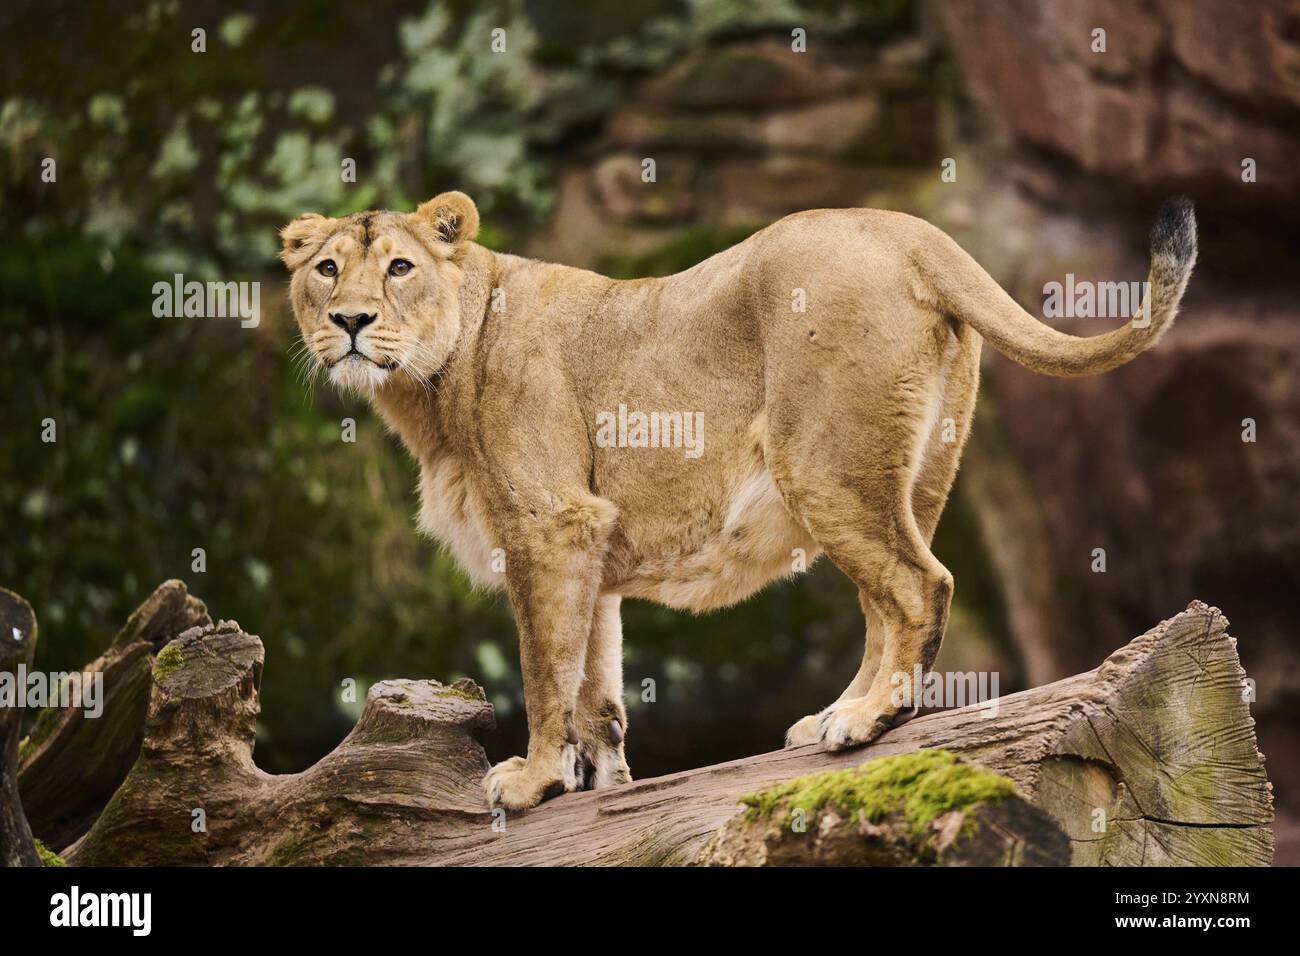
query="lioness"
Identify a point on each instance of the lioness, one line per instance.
(832, 358)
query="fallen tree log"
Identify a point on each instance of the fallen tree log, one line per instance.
(1148, 760)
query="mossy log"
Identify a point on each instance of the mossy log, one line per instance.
(926, 807)
(70, 764)
(1148, 760)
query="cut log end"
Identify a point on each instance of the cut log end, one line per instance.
(204, 703)
(411, 709)
(1162, 768)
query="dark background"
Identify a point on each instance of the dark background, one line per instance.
(182, 433)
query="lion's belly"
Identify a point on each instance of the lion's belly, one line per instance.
(757, 542)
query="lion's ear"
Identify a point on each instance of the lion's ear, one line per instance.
(453, 216)
(303, 237)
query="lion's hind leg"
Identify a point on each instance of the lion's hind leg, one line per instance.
(855, 495)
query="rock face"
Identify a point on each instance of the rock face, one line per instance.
(747, 132)
(1155, 462)
(1181, 93)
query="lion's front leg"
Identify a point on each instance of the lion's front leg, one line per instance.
(554, 568)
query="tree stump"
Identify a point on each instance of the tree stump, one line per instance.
(70, 764)
(1148, 760)
(406, 776)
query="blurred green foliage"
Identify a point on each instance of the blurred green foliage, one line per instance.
(177, 434)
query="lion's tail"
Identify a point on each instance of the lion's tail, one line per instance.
(966, 292)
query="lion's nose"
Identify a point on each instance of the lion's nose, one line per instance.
(352, 324)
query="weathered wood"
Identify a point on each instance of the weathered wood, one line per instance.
(1149, 759)
(407, 775)
(1164, 771)
(70, 764)
(17, 650)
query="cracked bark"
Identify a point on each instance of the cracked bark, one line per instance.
(1148, 759)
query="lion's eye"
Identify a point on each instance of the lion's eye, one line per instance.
(328, 268)
(400, 267)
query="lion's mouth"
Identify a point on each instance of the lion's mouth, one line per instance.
(355, 353)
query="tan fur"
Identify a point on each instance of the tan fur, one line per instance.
(822, 432)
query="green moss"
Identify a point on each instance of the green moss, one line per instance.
(953, 788)
(169, 659)
(48, 856)
(917, 786)
(456, 692)
(46, 721)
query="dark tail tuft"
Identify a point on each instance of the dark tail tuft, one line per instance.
(1174, 233)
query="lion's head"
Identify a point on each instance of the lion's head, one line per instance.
(376, 293)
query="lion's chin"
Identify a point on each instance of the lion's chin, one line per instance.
(359, 375)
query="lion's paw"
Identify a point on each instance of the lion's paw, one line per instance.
(516, 784)
(600, 761)
(854, 723)
(803, 732)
